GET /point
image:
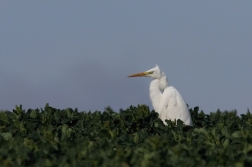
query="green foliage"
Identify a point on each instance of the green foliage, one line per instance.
(133, 137)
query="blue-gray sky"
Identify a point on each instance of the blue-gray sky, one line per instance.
(78, 54)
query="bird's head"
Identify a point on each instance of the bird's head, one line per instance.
(153, 73)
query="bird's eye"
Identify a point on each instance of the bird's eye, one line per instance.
(151, 72)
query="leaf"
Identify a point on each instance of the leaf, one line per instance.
(224, 131)
(6, 135)
(4, 117)
(201, 130)
(226, 143)
(237, 134)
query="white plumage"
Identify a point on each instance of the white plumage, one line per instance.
(166, 100)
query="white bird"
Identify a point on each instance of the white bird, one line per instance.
(166, 100)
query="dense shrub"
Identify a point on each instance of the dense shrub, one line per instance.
(132, 137)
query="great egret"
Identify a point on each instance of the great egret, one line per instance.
(166, 100)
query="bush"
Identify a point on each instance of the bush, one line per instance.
(133, 137)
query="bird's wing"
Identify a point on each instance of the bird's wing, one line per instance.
(175, 106)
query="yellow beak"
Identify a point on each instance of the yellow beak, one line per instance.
(141, 74)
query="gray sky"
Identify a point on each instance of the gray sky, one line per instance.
(78, 54)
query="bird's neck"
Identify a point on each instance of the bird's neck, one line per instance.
(156, 92)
